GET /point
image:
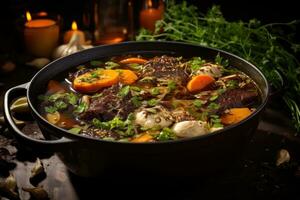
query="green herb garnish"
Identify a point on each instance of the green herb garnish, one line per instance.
(196, 63)
(166, 134)
(155, 91)
(197, 103)
(213, 106)
(152, 102)
(50, 109)
(171, 86)
(270, 47)
(124, 91)
(111, 65)
(82, 107)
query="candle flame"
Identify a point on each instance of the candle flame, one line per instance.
(28, 16)
(74, 26)
(149, 3)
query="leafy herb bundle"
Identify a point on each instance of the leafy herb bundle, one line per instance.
(263, 45)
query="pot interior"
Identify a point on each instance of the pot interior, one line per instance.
(62, 66)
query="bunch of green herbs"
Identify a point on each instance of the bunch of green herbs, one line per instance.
(264, 45)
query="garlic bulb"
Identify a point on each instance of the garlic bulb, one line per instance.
(72, 47)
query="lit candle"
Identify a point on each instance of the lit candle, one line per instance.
(150, 15)
(41, 36)
(68, 35)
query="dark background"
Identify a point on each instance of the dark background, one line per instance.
(12, 11)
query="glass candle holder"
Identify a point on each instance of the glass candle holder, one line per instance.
(41, 35)
(111, 21)
(152, 10)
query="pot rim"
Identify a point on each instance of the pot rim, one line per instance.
(67, 134)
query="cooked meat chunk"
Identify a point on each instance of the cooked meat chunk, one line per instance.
(237, 98)
(109, 105)
(167, 67)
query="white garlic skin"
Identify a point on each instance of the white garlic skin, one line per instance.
(162, 118)
(187, 129)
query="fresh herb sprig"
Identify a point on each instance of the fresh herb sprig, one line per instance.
(262, 44)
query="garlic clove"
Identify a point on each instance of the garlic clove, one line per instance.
(283, 156)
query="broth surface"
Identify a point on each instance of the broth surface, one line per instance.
(148, 99)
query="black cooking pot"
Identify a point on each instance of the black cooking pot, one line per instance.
(86, 156)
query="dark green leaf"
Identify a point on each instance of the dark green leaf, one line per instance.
(50, 109)
(124, 91)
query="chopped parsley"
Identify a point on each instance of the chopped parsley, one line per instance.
(82, 107)
(124, 91)
(213, 106)
(152, 102)
(50, 109)
(221, 61)
(171, 86)
(197, 103)
(196, 63)
(165, 134)
(155, 91)
(111, 65)
(136, 100)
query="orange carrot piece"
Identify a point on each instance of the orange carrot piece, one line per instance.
(145, 137)
(235, 115)
(55, 86)
(127, 77)
(199, 82)
(95, 80)
(133, 60)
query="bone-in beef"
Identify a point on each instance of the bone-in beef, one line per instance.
(166, 67)
(237, 98)
(109, 105)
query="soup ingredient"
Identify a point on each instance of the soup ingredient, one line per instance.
(53, 118)
(95, 80)
(189, 129)
(210, 69)
(144, 137)
(165, 135)
(269, 46)
(133, 60)
(127, 77)
(155, 117)
(235, 115)
(236, 98)
(166, 69)
(111, 103)
(199, 82)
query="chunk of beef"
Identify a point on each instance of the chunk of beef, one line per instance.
(237, 98)
(109, 105)
(167, 67)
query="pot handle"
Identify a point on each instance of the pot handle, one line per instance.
(48, 144)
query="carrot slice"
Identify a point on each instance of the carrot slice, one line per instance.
(145, 137)
(235, 115)
(127, 76)
(95, 80)
(199, 82)
(133, 60)
(55, 86)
